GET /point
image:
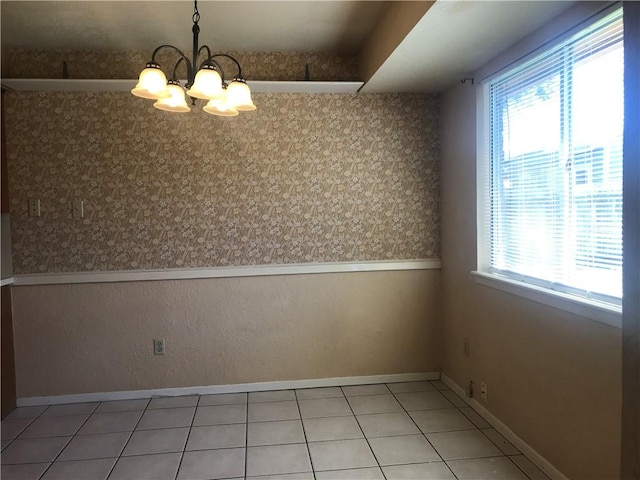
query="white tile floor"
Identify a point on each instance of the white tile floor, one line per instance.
(416, 430)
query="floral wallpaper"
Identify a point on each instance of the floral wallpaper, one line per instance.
(305, 178)
(20, 63)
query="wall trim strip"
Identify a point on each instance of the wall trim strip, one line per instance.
(6, 281)
(234, 388)
(222, 272)
(125, 85)
(541, 462)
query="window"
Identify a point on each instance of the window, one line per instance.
(553, 190)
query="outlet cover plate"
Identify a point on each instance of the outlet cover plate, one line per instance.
(78, 208)
(34, 208)
(158, 346)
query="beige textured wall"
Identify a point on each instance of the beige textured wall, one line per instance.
(305, 178)
(553, 377)
(98, 337)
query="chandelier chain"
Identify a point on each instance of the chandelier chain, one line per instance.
(196, 14)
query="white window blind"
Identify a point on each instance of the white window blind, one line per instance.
(554, 199)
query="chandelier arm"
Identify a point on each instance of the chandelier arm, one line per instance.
(190, 72)
(175, 68)
(209, 60)
(232, 59)
(218, 67)
(204, 47)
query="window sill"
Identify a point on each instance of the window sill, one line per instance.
(598, 311)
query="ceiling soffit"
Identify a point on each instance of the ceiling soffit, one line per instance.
(391, 30)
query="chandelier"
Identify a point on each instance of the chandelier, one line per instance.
(205, 80)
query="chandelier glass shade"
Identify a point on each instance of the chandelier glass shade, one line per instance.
(175, 102)
(207, 84)
(152, 83)
(205, 81)
(221, 106)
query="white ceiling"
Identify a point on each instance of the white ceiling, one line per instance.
(279, 26)
(451, 39)
(456, 38)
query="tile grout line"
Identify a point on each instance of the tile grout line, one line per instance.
(420, 430)
(304, 432)
(522, 470)
(375, 457)
(70, 439)
(128, 439)
(11, 440)
(468, 418)
(482, 430)
(195, 411)
(474, 425)
(504, 453)
(518, 467)
(268, 445)
(33, 419)
(246, 435)
(289, 443)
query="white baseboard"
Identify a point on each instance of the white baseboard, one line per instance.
(234, 388)
(541, 462)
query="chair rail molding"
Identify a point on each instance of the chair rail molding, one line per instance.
(222, 272)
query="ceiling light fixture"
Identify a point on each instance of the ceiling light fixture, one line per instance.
(206, 83)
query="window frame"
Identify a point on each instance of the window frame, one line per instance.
(594, 309)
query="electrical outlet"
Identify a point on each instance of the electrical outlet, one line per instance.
(467, 352)
(34, 208)
(483, 391)
(158, 346)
